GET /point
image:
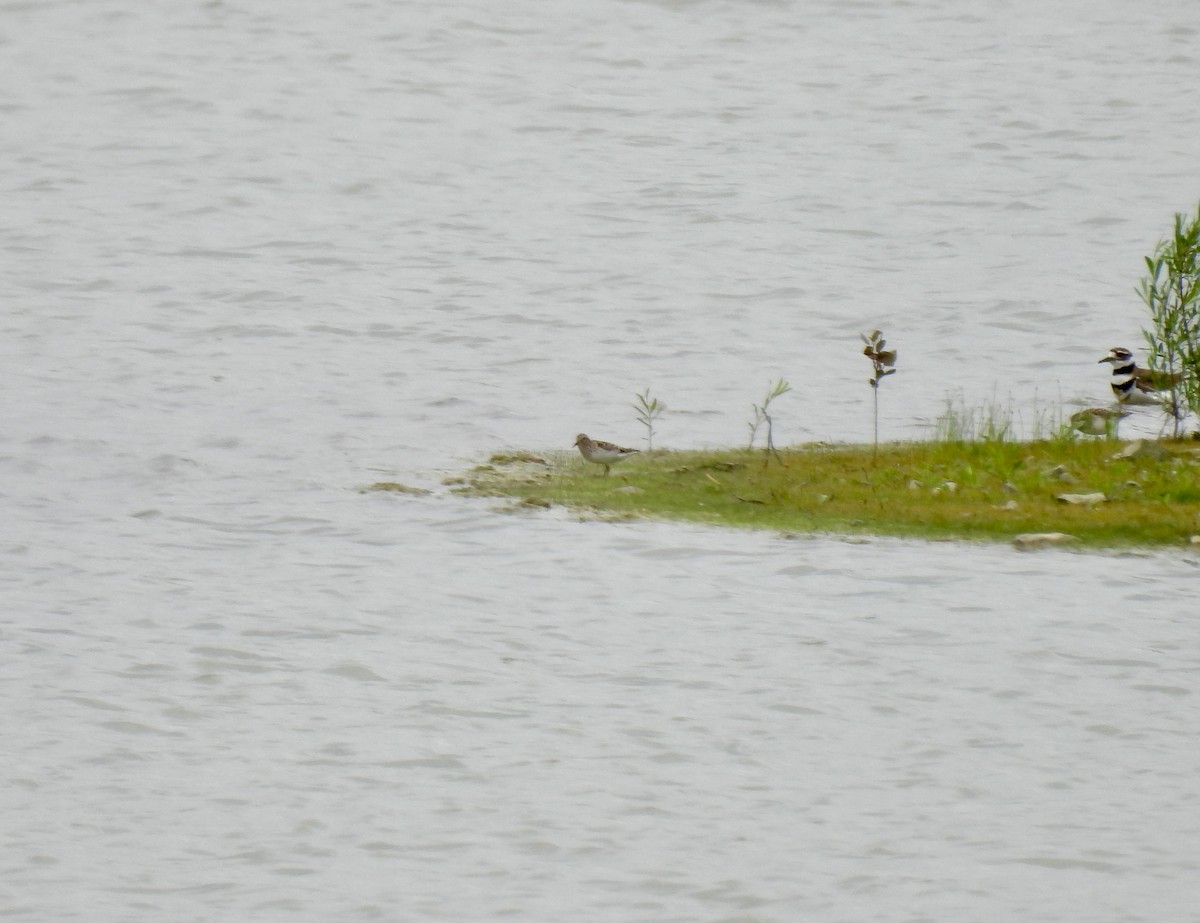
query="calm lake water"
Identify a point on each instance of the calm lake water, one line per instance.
(258, 255)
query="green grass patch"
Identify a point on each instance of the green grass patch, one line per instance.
(990, 490)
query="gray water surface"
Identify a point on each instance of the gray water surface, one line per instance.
(257, 256)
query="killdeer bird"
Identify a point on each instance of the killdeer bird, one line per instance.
(1132, 385)
(601, 453)
(1098, 421)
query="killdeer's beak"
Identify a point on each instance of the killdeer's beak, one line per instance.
(1106, 359)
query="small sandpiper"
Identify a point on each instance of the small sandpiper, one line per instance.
(1132, 385)
(1098, 421)
(601, 453)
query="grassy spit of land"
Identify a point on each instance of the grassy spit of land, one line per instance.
(931, 490)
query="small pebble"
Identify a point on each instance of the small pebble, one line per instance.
(1030, 540)
(1082, 499)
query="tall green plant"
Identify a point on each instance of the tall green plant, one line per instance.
(1171, 290)
(762, 415)
(883, 362)
(649, 409)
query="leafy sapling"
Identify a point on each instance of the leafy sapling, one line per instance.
(1171, 290)
(762, 415)
(883, 362)
(649, 409)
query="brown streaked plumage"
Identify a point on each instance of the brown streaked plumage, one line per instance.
(601, 453)
(1098, 421)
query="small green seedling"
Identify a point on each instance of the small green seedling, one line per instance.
(762, 415)
(649, 409)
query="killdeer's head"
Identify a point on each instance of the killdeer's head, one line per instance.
(1119, 356)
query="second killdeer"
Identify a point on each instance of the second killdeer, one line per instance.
(601, 453)
(1133, 385)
